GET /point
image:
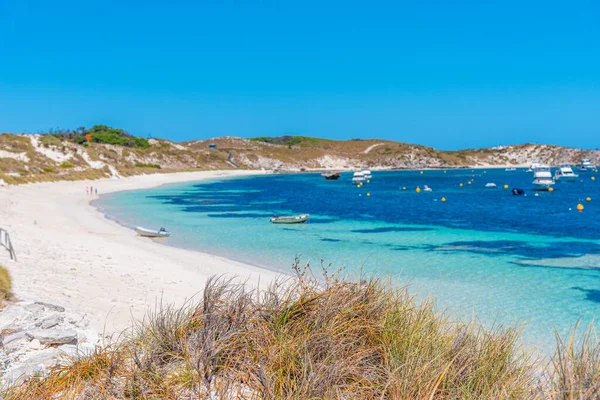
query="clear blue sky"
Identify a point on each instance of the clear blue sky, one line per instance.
(450, 74)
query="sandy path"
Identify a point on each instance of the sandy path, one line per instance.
(69, 254)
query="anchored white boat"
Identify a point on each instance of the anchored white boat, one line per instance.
(367, 174)
(162, 232)
(358, 177)
(291, 219)
(427, 188)
(490, 185)
(565, 174)
(510, 169)
(542, 177)
(586, 165)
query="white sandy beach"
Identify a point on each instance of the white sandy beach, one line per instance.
(70, 254)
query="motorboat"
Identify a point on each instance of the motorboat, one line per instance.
(490, 185)
(358, 177)
(565, 174)
(542, 178)
(427, 188)
(290, 219)
(586, 165)
(367, 173)
(162, 232)
(331, 176)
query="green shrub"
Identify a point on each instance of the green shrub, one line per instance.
(48, 170)
(50, 140)
(146, 165)
(66, 164)
(5, 283)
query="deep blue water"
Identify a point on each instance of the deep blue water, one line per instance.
(482, 253)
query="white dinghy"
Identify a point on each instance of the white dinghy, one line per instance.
(162, 232)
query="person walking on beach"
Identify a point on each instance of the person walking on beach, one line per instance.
(96, 191)
(91, 190)
(87, 190)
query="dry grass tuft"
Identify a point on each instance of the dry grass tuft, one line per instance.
(5, 284)
(304, 338)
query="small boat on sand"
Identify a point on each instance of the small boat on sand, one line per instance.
(290, 219)
(331, 176)
(162, 232)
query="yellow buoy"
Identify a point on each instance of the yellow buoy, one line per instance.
(443, 199)
(461, 185)
(588, 199)
(579, 207)
(505, 186)
(368, 194)
(551, 189)
(593, 178)
(469, 182)
(404, 188)
(418, 190)
(421, 172)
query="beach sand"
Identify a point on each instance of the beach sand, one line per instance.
(70, 254)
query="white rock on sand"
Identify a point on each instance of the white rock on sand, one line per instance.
(30, 345)
(70, 254)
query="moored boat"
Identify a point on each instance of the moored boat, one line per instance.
(565, 174)
(586, 165)
(162, 232)
(331, 176)
(542, 178)
(358, 177)
(367, 173)
(490, 185)
(290, 219)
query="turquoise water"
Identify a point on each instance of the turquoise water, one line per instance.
(483, 253)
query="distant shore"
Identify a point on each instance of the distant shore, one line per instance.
(70, 254)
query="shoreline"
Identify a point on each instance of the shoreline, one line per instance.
(69, 253)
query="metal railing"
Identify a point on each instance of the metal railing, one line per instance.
(5, 241)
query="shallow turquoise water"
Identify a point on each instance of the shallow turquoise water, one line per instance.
(483, 253)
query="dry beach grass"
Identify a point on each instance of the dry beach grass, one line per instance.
(305, 338)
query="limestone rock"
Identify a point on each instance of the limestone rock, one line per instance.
(51, 321)
(50, 306)
(53, 336)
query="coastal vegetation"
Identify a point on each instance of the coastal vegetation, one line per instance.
(101, 134)
(308, 338)
(5, 284)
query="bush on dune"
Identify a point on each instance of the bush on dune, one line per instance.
(304, 338)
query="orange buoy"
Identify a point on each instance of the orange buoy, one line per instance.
(579, 207)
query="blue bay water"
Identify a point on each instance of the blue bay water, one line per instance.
(483, 253)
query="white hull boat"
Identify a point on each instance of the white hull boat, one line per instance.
(490, 185)
(291, 219)
(542, 178)
(152, 232)
(367, 174)
(586, 165)
(358, 177)
(565, 174)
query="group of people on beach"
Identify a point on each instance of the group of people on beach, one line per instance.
(90, 190)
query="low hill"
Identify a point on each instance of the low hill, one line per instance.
(111, 152)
